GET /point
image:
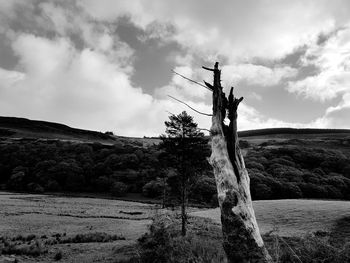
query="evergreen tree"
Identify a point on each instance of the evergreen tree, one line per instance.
(186, 148)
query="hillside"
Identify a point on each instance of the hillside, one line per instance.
(40, 156)
(13, 127)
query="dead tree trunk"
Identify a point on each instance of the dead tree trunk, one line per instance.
(242, 240)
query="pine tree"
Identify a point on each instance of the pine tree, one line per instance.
(186, 144)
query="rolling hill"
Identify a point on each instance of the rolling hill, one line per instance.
(16, 128)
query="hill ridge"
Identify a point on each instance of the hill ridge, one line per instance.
(40, 126)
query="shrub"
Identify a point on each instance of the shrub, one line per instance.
(103, 183)
(346, 171)
(337, 181)
(261, 191)
(318, 171)
(313, 190)
(291, 190)
(333, 192)
(203, 189)
(243, 144)
(91, 238)
(34, 249)
(312, 178)
(153, 188)
(109, 133)
(283, 161)
(118, 189)
(256, 165)
(16, 181)
(35, 188)
(52, 185)
(75, 182)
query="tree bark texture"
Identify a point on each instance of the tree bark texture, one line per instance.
(242, 240)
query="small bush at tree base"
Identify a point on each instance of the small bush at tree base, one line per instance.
(164, 243)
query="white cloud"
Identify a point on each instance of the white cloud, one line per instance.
(256, 74)
(332, 59)
(249, 118)
(337, 116)
(68, 19)
(333, 80)
(236, 29)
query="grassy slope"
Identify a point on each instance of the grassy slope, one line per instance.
(13, 127)
(19, 128)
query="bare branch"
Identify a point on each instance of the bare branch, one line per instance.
(209, 86)
(216, 67)
(200, 84)
(206, 114)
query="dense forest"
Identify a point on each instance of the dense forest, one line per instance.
(277, 170)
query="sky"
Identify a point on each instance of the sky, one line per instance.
(107, 65)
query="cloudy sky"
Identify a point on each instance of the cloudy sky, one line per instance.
(106, 65)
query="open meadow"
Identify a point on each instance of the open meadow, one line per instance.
(92, 229)
(292, 217)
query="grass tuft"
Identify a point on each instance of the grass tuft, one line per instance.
(91, 237)
(58, 256)
(34, 249)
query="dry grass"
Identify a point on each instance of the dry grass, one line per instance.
(203, 244)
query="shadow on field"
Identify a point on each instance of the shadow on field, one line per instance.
(340, 233)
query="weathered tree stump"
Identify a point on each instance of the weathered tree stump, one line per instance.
(242, 240)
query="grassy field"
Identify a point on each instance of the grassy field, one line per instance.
(65, 219)
(292, 217)
(41, 215)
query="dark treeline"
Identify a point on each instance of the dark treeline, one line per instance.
(298, 172)
(55, 165)
(276, 172)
